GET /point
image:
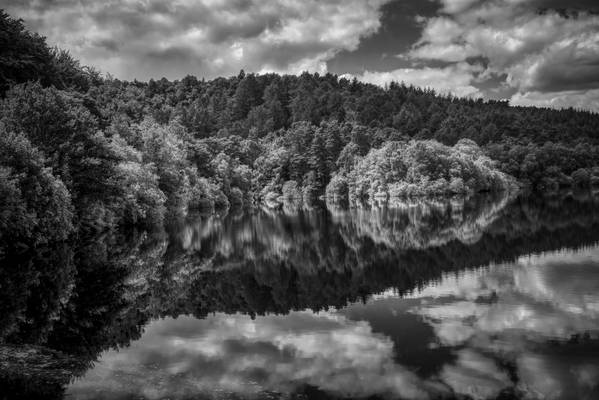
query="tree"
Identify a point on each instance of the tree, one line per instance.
(25, 56)
(333, 143)
(317, 159)
(35, 206)
(247, 95)
(408, 120)
(165, 149)
(59, 125)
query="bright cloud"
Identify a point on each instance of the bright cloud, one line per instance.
(548, 54)
(235, 354)
(521, 48)
(580, 99)
(457, 79)
(206, 38)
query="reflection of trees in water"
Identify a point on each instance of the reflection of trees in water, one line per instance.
(99, 294)
(61, 307)
(35, 285)
(280, 263)
(421, 224)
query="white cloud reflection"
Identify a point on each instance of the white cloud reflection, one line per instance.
(492, 321)
(234, 354)
(518, 308)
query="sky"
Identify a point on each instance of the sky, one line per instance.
(531, 52)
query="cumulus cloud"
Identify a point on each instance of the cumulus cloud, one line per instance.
(457, 79)
(579, 99)
(547, 52)
(207, 38)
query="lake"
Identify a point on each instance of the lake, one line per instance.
(485, 298)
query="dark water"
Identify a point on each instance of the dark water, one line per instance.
(488, 298)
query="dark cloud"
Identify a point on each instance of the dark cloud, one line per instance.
(572, 68)
(175, 53)
(399, 30)
(108, 44)
(539, 46)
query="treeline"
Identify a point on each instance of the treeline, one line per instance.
(80, 152)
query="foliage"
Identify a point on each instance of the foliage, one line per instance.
(24, 56)
(137, 153)
(35, 206)
(420, 168)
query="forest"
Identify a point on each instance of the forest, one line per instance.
(81, 152)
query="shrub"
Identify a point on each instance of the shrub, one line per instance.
(337, 189)
(35, 206)
(424, 168)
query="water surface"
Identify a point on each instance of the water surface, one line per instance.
(487, 298)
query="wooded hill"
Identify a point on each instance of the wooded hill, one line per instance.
(83, 152)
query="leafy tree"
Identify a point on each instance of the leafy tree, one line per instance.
(164, 147)
(35, 206)
(131, 153)
(247, 95)
(318, 162)
(25, 56)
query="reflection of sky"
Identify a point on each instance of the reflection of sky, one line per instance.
(234, 354)
(497, 329)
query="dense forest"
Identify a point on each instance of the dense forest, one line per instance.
(81, 152)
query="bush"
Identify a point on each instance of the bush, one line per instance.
(144, 202)
(35, 206)
(337, 189)
(423, 168)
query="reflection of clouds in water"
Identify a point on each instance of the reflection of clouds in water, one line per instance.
(518, 308)
(537, 379)
(544, 376)
(503, 312)
(570, 286)
(545, 298)
(244, 356)
(475, 375)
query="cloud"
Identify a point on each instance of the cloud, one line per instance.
(579, 99)
(539, 51)
(133, 39)
(455, 6)
(457, 79)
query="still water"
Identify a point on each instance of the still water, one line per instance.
(492, 297)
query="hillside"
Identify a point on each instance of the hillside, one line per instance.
(115, 153)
